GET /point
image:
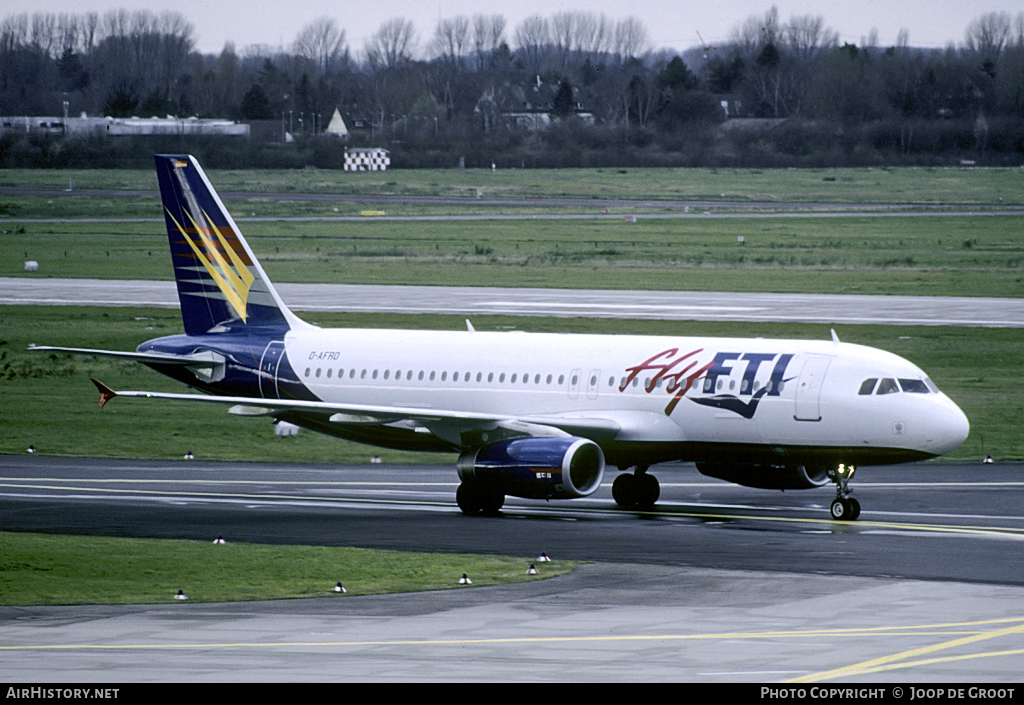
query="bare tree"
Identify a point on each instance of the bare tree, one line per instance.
(321, 43)
(631, 39)
(451, 40)
(533, 37)
(987, 35)
(807, 35)
(564, 36)
(596, 35)
(393, 44)
(488, 34)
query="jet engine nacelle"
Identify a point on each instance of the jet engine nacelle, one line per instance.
(536, 468)
(767, 477)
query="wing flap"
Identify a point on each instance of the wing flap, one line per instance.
(441, 422)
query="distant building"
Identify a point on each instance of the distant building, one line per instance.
(337, 126)
(100, 126)
(367, 159)
(527, 106)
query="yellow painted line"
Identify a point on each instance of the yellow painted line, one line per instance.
(969, 628)
(891, 662)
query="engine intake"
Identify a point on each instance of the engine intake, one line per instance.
(536, 468)
(767, 477)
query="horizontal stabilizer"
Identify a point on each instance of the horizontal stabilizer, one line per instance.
(158, 358)
(106, 393)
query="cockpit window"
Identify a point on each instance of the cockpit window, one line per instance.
(868, 386)
(887, 386)
(914, 386)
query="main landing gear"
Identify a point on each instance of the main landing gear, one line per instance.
(844, 507)
(475, 499)
(636, 491)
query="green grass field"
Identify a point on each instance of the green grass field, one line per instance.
(38, 569)
(923, 255)
(917, 186)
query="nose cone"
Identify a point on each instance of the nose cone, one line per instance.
(947, 429)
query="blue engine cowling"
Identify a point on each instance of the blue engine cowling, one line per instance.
(536, 468)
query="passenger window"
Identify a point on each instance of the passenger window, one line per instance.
(868, 386)
(887, 386)
(914, 386)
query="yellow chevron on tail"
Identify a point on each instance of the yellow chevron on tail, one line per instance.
(234, 277)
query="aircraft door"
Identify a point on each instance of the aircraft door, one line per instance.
(808, 388)
(593, 381)
(268, 370)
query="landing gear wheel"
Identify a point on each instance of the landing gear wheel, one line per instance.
(839, 510)
(845, 509)
(474, 500)
(492, 502)
(467, 499)
(854, 508)
(648, 491)
(624, 491)
(637, 490)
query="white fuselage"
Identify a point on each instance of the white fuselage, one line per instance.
(697, 393)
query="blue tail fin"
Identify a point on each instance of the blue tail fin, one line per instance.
(221, 285)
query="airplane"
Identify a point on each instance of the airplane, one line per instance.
(532, 415)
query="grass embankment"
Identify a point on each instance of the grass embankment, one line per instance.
(914, 255)
(896, 186)
(37, 569)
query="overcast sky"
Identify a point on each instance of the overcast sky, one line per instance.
(671, 24)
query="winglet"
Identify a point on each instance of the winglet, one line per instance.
(106, 393)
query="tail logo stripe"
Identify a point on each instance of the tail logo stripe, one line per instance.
(233, 278)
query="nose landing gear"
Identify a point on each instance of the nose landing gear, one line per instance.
(844, 507)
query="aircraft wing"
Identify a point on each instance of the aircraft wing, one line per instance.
(460, 427)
